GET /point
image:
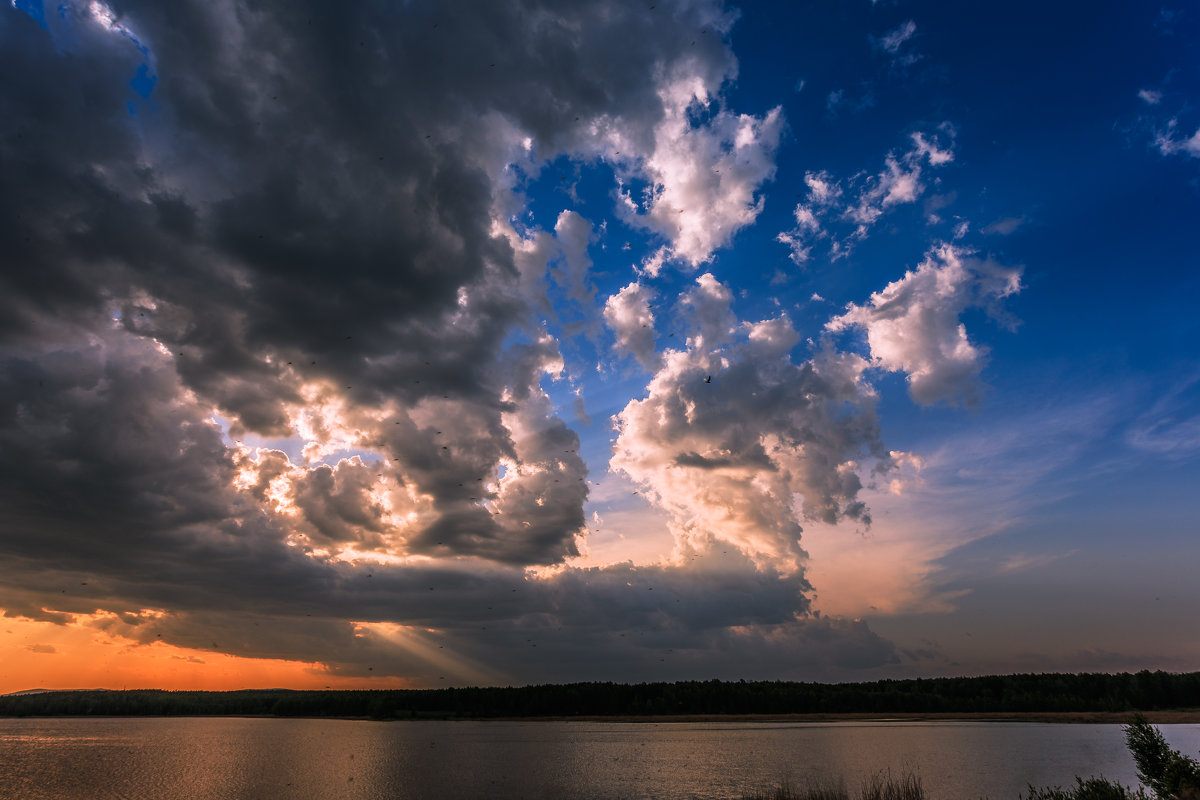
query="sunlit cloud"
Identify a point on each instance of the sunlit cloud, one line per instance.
(913, 325)
(704, 178)
(587, 346)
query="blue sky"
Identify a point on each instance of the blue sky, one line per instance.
(862, 332)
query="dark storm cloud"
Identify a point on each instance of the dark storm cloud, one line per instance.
(307, 195)
(301, 175)
(300, 215)
(723, 618)
(190, 561)
(337, 502)
(618, 622)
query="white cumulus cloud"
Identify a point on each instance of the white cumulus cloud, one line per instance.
(1169, 142)
(704, 176)
(627, 313)
(913, 324)
(822, 192)
(739, 443)
(900, 182)
(893, 40)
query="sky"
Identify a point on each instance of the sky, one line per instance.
(418, 344)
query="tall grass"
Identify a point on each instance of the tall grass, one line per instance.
(1167, 773)
(880, 786)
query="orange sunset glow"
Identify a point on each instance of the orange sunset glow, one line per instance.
(78, 654)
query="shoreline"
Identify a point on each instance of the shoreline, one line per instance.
(1165, 717)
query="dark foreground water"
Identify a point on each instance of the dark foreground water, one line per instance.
(216, 758)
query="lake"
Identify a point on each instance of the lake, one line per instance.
(324, 759)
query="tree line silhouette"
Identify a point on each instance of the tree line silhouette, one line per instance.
(1094, 692)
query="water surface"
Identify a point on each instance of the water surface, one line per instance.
(322, 759)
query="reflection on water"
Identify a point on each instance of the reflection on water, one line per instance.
(303, 759)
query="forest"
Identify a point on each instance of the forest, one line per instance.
(1087, 692)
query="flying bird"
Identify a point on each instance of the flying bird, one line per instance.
(708, 379)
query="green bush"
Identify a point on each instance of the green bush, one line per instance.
(1091, 789)
(1168, 773)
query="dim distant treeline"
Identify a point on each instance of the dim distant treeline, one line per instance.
(1143, 691)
